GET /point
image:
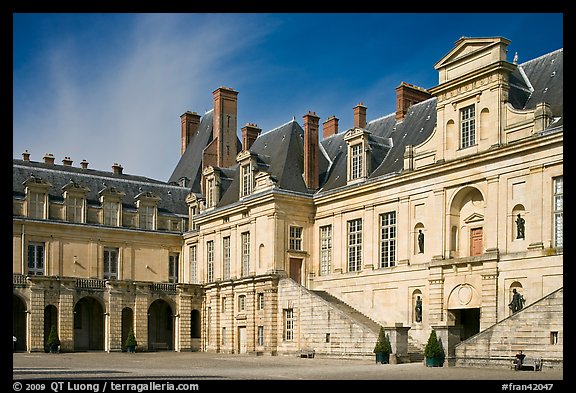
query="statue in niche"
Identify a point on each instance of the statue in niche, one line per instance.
(420, 241)
(418, 309)
(520, 227)
(517, 302)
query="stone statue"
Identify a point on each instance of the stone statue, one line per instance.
(418, 309)
(420, 241)
(520, 227)
(517, 302)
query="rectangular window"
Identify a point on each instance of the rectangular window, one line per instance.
(111, 211)
(388, 239)
(354, 245)
(246, 180)
(146, 216)
(36, 205)
(242, 303)
(288, 324)
(74, 206)
(210, 193)
(223, 308)
(210, 261)
(559, 212)
(209, 324)
(356, 162)
(295, 238)
(467, 126)
(111, 263)
(245, 254)
(325, 250)
(223, 336)
(260, 335)
(226, 258)
(193, 265)
(260, 301)
(36, 259)
(173, 267)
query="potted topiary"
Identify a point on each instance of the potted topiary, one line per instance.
(382, 348)
(131, 342)
(433, 351)
(53, 340)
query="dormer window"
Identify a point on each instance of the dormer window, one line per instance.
(75, 201)
(111, 200)
(211, 186)
(247, 163)
(36, 190)
(210, 200)
(358, 154)
(467, 126)
(246, 180)
(146, 203)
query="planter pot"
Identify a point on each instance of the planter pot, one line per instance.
(53, 348)
(131, 349)
(434, 362)
(382, 357)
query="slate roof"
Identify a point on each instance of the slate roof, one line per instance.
(172, 197)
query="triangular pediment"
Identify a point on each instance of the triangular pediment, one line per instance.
(474, 217)
(465, 48)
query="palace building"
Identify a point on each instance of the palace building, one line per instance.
(310, 238)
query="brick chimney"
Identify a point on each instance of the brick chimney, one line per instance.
(117, 169)
(311, 150)
(26, 155)
(67, 161)
(330, 127)
(360, 116)
(408, 95)
(249, 134)
(84, 164)
(49, 159)
(189, 125)
(225, 125)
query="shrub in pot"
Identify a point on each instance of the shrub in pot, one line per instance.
(433, 351)
(131, 342)
(53, 340)
(382, 348)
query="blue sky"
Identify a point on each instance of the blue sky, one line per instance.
(110, 88)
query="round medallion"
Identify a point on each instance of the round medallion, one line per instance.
(465, 294)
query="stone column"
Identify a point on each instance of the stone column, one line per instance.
(489, 315)
(36, 319)
(114, 317)
(185, 312)
(404, 227)
(534, 219)
(66, 315)
(141, 316)
(398, 336)
(491, 216)
(435, 296)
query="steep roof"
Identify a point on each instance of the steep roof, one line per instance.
(172, 197)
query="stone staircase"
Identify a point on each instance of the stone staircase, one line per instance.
(415, 351)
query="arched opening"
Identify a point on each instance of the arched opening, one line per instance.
(50, 319)
(19, 323)
(451, 136)
(127, 324)
(464, 305)
(88, 325)
(467, 216)
(160, 326)
(195, 329)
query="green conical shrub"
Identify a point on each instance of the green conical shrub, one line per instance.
(383, 343)
(433, 348)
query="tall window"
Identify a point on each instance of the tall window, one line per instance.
(173, 268)
(36, 259)
(260, 301)
(36, 204)
(210, 193)
(288, 324)
(356, 162)
(242, 303)
(193, 265)
(246, 180)
(245, 254)
(111, 263)
(226, 257)
(559, 212)
(467, 126)
(74, 205)
(325, 249)
(223, 336)
(260, 335)
(296, 238)
(210, 260)
(388, 239)
(354, 245)
(111, 211)
(146, 216)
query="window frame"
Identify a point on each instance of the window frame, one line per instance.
(35, 270)
(467, 126)
(325, 249)
(354, 249)
(558, 212)
(173, 267)
(388, 239)
(210, 261)
(111, 258)
(295, 238)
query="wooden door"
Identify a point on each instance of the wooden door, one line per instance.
(296, 270)
(476, 241)
(242, 347)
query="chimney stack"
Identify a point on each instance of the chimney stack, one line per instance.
(249, 134)
(225, 125)
(189, 125)
(67, 161)
(26, 155)
(84, 164)
(49, 159)
(311, 150)
(360, 116)
(117, 169)
(408, 95)
(330, 127)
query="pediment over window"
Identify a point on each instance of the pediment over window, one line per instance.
(475, 217)
(75, 187)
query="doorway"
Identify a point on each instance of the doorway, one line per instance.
(242, 346)
(468, 319)
(296, 270)
(475, 241)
